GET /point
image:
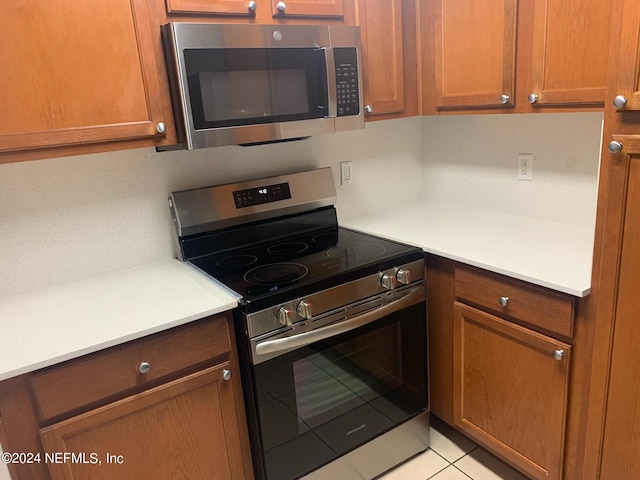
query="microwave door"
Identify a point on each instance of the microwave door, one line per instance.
(246, 95)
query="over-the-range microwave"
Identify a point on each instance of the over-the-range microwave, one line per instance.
(246, 84)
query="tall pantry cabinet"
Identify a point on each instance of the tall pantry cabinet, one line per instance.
(613, 430)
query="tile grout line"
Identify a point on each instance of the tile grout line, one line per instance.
(441, 457)
(462, 472)
(439, 471)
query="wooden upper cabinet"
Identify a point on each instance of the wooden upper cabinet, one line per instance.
(220, 7)
(382, 55)
(628, 66)
(570, 50)
(257, 8)
(308, 8)
(475, 52)
(74, 73)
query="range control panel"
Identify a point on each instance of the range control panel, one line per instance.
(260, 195)
(347, 81)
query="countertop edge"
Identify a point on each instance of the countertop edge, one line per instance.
(430, 226)
(39, 336)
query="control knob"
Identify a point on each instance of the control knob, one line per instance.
(284, 316)
(388, 281)
(305, 309)
(403, 276)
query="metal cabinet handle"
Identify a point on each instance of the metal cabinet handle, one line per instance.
(144, 367)
(504, 99)
(504, 301)
(252, 6)
(533, 98)
(226, 375)
(615, 146)
(558, 354)
(281, 6)
(368, 109)
(620, 102)
(161, 128)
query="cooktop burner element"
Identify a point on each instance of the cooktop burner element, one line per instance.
(362, 250)
(276, 274)
(288, 248)
(237, 261)
(330, 238)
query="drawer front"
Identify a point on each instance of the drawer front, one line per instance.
(106, 375)
(547, 310)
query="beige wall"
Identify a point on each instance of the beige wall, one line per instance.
(472, 160)
(69, 218)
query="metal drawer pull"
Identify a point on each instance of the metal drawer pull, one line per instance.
(302, 339)
(226, 375)
(504, 301)
(144, 367)
(558, 354)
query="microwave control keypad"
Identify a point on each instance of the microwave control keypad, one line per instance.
(347, 81)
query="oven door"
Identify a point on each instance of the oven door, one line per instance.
(343, 385)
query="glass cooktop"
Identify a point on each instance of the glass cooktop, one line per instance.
(292, 263)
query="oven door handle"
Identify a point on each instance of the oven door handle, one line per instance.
(414, 296)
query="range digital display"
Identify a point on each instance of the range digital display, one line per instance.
(260, 195)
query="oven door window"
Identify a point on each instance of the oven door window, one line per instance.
(248, 86)
(325, 399)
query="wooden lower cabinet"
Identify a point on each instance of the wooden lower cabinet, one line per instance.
(183, 429)
(510, 390)
(181, 418)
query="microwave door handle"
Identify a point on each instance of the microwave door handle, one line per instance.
(330, 62)
(414, 296)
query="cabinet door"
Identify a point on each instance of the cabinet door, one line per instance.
(183, 429)
(628, 69)
(510, 393)
(308, 8)
(77, 73)
(381, 33)
(621, 441)
(219, 7)
(475, 53)
(570, 50)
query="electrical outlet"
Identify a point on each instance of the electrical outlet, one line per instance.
(346, 173)
(525, 166)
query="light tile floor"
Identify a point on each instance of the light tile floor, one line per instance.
(452, 456)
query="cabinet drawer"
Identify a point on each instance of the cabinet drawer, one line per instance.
(538, 307)
(106, 375)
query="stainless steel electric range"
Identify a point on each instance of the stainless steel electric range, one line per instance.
(331, 325)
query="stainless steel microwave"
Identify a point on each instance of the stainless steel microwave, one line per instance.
(247, 84)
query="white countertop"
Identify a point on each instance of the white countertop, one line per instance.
(49, 326)
(551, 254)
